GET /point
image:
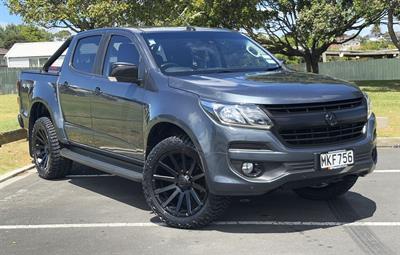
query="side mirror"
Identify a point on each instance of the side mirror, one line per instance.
(124, 72)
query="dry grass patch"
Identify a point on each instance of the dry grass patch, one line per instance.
(8, 113)
(14, 155)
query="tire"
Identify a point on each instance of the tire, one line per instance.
(46, 151)
(328, 191)
(175, 188)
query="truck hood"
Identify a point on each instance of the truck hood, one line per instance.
(278, 87)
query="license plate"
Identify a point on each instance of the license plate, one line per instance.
(336, 159)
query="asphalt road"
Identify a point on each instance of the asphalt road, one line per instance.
(108, 215)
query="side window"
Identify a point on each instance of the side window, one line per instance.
(120, 49)
(85, 53)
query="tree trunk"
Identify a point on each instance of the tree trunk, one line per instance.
(315, 64)
(390, 25)
(312, 63)
(308, 65)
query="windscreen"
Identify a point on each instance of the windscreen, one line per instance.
(200, 51)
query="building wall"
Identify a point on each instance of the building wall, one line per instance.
(18, 62)
(31, 62)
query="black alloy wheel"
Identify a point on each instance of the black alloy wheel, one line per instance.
(175, 185)
(45, 149)
(41, 148)
(179, 183)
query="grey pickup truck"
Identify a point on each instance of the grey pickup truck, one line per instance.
(197, 115)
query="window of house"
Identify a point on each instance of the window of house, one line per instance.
(37, 62)
(33, 62)
(42, 61)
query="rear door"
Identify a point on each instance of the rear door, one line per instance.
(118, 109)
(77, 88)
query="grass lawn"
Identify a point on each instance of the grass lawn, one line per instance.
(14, 155)
(8, 113)
(385, 96)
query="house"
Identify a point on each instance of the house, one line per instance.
(360, 54)
(34, 54)
(2, 58)
(355, 43)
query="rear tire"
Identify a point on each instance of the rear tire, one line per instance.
(328, 191)
(175, 188)
(46, 151)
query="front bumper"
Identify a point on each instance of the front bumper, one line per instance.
(284, 166)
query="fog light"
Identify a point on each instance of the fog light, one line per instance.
(252, 169)
(247, 168)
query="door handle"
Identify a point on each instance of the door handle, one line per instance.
(65, 85)
(97, 91)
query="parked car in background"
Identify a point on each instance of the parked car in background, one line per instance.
(197, 115)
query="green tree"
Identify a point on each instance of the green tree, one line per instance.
(376, 30)
(8, 36)
(78, 15)
(75, 15)
(61, 35)
(393, 13)
(232, 14)
(11, 34)
(376, 45)
(34, 34)
(295, 28)
(307, 28)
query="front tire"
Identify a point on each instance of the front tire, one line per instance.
(175, 187)
(46, 151)
(327, 191)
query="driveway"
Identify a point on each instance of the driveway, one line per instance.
(94, 213)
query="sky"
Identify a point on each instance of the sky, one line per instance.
(7, 18)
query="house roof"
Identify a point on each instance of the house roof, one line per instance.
(3, 51)
(360, 53)
(33, 49)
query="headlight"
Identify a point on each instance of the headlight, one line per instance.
(238, 115)
(369, 104)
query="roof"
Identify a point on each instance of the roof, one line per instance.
(33, 49)
(177, 29)
(158, 29)
(3, 51)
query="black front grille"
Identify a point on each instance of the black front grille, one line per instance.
(314, 107)
(322, 135)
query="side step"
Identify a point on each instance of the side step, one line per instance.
(101, 165)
